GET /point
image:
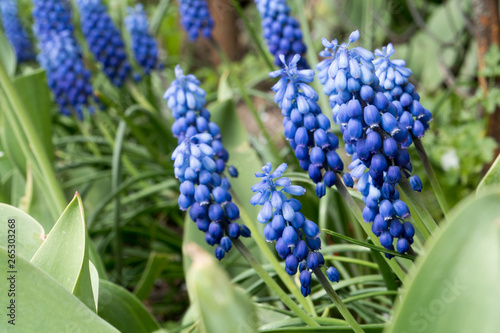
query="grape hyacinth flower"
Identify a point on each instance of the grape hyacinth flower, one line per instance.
(297, 239)
(67, 77)
(307, 129)
(15, 32)
(195, 18)
(200, 163)
(143, 44)
(51, 16)
(61, 57)
(104, 40)
(281, 31)
(394, 83)
(373, 134)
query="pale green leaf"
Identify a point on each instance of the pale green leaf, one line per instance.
(43, 305)
(492, 177)
(29, 234)
(64, 254)
(454, 288)
(221, 306)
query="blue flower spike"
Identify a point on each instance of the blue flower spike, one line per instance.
(307, 129)
(296, 238)
(196, 19)
(375, 129)
(199, 164)
(281, 31)
(104, 40)
(143, 45)
(61, 57)
(15, 32)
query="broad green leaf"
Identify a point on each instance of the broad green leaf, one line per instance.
(221, 307)
(64, 254)
(454, 288)
(29, 234)
(43, 305)
(492, 177)
(7, 55)
(123, 310)
(156, 263)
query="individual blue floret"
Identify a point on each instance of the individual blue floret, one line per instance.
(67, 77)
(143, 44)
(195, 18)
(394, 83)
(281, 31)
(373, 134)
(297, 239)
(15, 32)
(307, 129)
(104, 40)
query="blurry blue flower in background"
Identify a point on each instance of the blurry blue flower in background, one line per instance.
(15, 32)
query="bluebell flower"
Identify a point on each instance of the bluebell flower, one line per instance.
(307, 129)
(199, 162)
(281, 31)
(195, 18)
(394, 83)
(104, 40)
(15, 32)
(373, 134)
(143, 44)
(51, 16)
(297, 239)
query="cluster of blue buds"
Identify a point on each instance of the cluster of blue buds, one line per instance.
(51, 16)
(195, 18)
(61, 57)
(394, 83)
(200, 162)
(15, 32)
(104, 40)
(143, 44)
(374, 134)
(281, 31)
(297, 239)
(307, 129)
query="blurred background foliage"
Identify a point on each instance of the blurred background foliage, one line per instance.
(119, 160)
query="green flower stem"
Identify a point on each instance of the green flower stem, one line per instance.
(247, 100)
(337, 301)
(417, 204)
(24, 128)
(272, 284)
(287, 280)
(431, 174)
(253, 34)
(356, 211)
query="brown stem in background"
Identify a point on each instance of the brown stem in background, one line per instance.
(487, 33)
(226, 32)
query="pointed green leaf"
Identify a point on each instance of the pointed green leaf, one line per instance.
(64, 254)
(123, 310)
(221, 307)
(7, 55)
(29, 233)
(43, 305)
(492, 177)
(454, 288)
